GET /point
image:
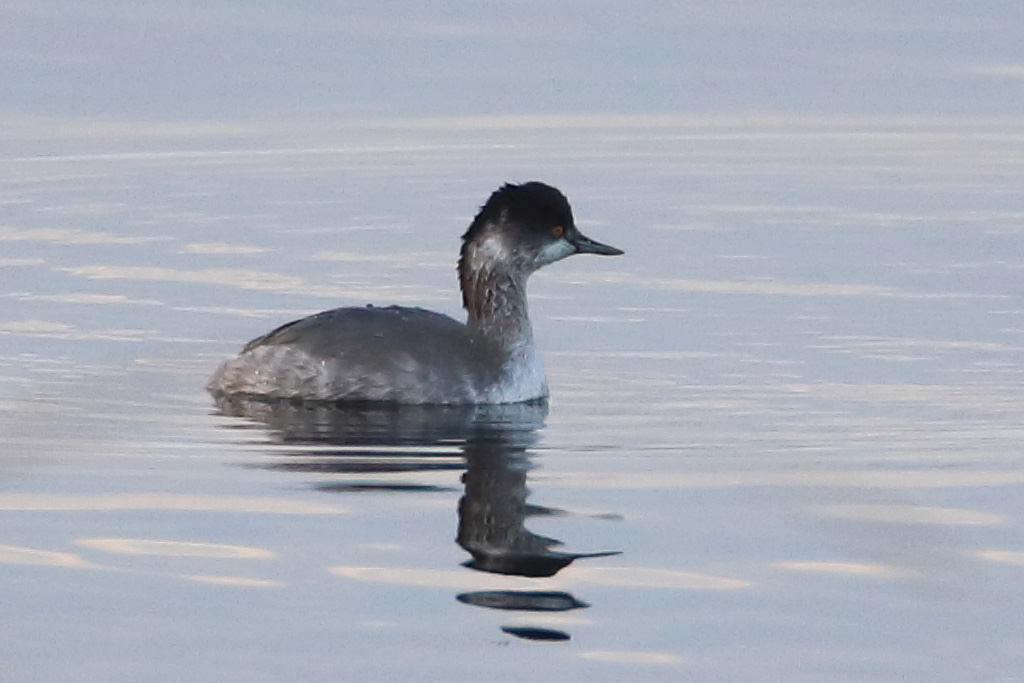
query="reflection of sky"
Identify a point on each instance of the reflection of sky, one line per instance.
(169, 61)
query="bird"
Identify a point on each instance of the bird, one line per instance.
(406, 355)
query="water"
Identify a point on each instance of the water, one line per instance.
(793, 408)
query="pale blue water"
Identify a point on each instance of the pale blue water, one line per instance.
(794, 406)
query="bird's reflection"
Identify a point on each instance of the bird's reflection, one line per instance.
(493, 511)
(493, 443)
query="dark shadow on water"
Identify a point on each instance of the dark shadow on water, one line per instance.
(523, 601)
(537, 634)
(490, 443)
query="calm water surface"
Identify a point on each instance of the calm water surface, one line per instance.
(794, 407)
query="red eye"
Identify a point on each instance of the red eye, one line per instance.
(558, 231)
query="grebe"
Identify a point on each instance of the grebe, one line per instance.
(408, 355)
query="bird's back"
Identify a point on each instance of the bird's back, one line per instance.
(394, 354)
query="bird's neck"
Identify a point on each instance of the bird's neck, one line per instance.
(494, 298)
